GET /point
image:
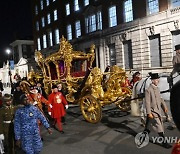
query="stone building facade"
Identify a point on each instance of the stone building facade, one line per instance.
(141, 40)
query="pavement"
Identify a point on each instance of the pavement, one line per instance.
(113, 135)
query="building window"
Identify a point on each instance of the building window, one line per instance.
(112, 54)
(155, 51)
(153, 6)
(99, 20)
(56, 36)
(128, 11)
(37, 25)
(86, 2)
(47, 2)
(50, 41)
(41, 3)
(39, 44)
(67, 9)
(44, 41)
(175, 3)
(90, 23)
(128, 59)
(76, 5)
(43, 21)
(112, 16)
(48, 18)
(55, 15)
(69, 32)
(78, 29)
(36, 10)
(93, 22)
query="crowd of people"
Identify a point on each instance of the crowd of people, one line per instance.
(22, 114)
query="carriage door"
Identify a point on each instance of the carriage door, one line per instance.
(176, 40)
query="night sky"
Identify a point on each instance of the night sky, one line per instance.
(15, 23)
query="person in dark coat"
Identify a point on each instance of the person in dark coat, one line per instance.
(41, 89)
(6, 123)
(175, 110)
(176, 66)
(176, 60)
(17, 93)
(1, 101)
(1, 86)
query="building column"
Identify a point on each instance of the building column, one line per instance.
(102, 58)
(20, 51)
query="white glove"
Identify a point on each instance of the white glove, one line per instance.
(35, 103)
(1, 136)
(50, 106)
(66, 106)
(49, 113)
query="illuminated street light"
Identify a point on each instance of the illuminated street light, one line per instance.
(8, 51)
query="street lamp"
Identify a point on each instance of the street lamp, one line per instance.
(8, 51)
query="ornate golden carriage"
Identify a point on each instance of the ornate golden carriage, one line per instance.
(86, 86)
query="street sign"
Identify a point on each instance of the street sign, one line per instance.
(11, 64)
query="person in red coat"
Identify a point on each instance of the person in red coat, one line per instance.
(57, 102)
(36, 98)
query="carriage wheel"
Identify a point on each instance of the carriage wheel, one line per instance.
(91, 109)
(125, 105)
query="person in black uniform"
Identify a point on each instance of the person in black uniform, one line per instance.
(1, 86)
(16, 94)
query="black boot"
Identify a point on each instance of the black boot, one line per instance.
(165, 144)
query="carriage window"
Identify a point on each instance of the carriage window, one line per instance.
(76, 66)
(79, 67)
(61, 67)
(53, 71)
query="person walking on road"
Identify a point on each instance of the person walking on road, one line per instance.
(60, 89)
(57, 102)
(176, 60)
(26, 127)
(154, 103)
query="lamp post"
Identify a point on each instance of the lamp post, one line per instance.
(8, 51)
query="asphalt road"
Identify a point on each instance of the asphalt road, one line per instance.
(115, 134)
